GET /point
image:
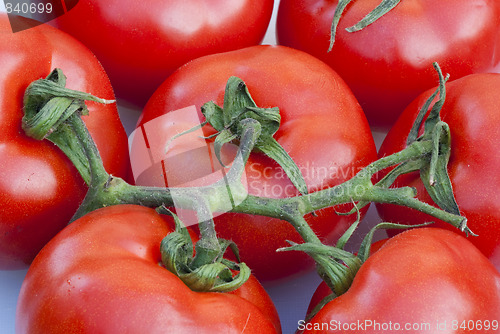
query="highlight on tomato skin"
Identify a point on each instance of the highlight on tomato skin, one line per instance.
(322, 128)
(388, 63)
(39, 188)
(141, 43)
(471, 112)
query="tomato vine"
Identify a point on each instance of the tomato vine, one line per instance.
(56, 112)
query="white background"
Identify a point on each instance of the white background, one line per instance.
(290, 296)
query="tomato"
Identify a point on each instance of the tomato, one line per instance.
(471, 112)
(141, 43)
(389, 63)
(423, 280)
(322, 128)
(39, 188)
(101, 275)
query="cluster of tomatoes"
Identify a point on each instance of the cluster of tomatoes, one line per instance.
(101, 273)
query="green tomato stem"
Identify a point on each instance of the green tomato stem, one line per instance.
(106, 190)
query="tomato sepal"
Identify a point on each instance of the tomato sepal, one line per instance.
(239, 105)
(383, 8)
(205, 270)
(434, 175)
(48, 105)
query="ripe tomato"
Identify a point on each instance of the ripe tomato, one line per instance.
(423, 280)
(471, 111)
(39, 188)
(389, 63)
(101, 275)
(322, 128)
(141, 43)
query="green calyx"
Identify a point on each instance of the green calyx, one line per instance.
(48, 105)
(238, 106)
(434, 175)
(207, 271)
(383, 8)
(433, 168)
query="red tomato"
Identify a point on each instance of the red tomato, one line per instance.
(140, 43)
(322, 128)
(101, 275)
(39, 188)
(471, 111)
(389, 63)
(423, 280)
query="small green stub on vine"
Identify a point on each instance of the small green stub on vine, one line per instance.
(383, 8)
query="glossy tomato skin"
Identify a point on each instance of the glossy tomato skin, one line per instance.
(322, 128)
(101, 275)
(430, 278)
(141, 43)
(471, 111)
(389, 63)
(39, 188)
